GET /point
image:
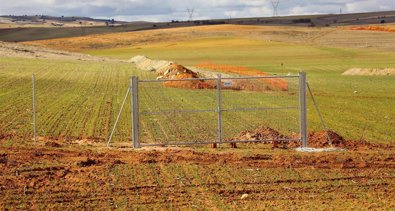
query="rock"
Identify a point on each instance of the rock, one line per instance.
(244, 196)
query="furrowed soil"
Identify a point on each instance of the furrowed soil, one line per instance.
(55, 176)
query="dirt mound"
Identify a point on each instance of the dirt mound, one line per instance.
(319, 139)
(173, 70)
(270, 84)
(370, 71)
(176, 71)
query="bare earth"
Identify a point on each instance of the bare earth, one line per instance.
(26, 51)
(370, 71)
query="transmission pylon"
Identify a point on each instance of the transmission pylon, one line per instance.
(275, 4)
(190, 13)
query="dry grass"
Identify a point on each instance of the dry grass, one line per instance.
(328, 36)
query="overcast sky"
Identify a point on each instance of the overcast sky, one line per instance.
(165, 10)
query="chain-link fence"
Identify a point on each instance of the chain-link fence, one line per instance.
(218, 110)
(70, 109)
(164, 112)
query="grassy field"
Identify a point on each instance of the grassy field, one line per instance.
(371, 107)
(355, 106)
(80, 100)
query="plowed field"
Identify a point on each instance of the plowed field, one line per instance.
(74, 178)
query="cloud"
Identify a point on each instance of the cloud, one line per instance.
(165, 10)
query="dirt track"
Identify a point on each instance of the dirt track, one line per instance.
(26, 51)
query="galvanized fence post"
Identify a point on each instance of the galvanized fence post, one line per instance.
(34, 107)
(135, 111)
(303, 109)
(219, 99)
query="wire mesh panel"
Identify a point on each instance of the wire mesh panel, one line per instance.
(218, 110)
(259, 109)
(175, 112)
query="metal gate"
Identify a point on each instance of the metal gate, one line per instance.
(217, 110)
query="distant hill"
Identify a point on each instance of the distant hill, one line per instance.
(29, 28)
(322, 20)
(11, 21)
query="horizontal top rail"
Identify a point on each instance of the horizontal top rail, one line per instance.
(229, 78)
(216, 110)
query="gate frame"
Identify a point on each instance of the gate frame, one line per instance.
(134, 81)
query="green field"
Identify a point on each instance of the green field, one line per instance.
(354, 106)
(81, 99)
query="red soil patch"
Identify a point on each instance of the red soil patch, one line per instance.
(373, 28)
(274, 84)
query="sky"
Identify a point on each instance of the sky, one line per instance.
(166, 10)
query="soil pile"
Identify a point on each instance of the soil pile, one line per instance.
(173, 70)
(370, 71)
(319, 139)
(176, 71)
